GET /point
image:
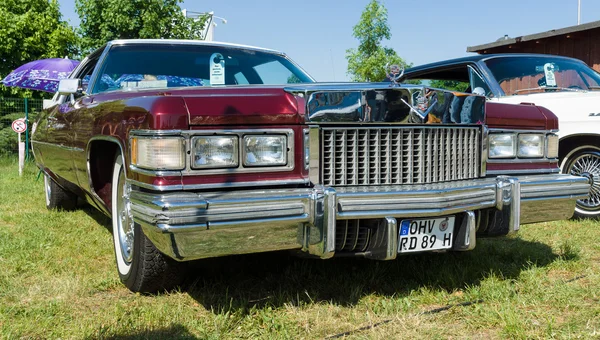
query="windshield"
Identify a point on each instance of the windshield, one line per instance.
(134, 66)
(524, 75)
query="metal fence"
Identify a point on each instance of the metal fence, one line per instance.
(11, 109)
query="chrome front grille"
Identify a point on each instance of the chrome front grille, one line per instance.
(399, 155)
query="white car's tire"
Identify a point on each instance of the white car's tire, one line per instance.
(142, 268)
(586, 162)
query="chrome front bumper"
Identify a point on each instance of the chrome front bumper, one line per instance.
(188, 225)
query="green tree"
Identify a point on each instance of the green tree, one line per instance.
(367, 63)
(31, 30)
(106, 20)
(452, 85)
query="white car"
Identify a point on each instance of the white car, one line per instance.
(566, 86)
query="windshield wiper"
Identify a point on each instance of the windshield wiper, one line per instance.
(578, 89)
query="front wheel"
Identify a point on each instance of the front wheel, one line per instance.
(142, 268)
(586, 163)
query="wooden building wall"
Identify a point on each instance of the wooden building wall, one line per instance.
(584, 45)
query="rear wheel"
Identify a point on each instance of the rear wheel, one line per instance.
(142, 268)
(57, 197)
(586, 163)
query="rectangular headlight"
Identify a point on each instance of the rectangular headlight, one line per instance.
(265, 150)
(531, 146)
(502, 145)
(215, 152)
(165, 153)
(552, 146)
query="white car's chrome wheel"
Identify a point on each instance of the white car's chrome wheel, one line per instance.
(587, 163)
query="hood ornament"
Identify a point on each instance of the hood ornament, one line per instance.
(393, 74)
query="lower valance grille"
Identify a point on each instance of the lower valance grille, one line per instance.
(399, 155)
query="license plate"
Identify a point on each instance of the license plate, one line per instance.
(426, 234)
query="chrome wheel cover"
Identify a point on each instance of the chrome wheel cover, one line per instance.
(588, 165)
(124, 219)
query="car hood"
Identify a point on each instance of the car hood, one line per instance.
(568, 106)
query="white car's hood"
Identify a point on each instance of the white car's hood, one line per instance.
(577, 112)
(567, 105)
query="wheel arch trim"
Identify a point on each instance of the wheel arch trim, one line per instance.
(112, 139)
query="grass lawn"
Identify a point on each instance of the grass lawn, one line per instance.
(57, 280)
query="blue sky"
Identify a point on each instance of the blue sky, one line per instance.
(317, 33)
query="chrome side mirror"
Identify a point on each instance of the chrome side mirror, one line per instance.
(68, 86)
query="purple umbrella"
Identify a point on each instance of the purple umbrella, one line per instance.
(42, 74)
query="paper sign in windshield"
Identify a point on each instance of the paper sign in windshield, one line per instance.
(549, 73)
(217, 69)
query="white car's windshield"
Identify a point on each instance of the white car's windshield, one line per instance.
(525, 75)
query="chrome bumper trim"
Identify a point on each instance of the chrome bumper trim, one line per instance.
(187, 225)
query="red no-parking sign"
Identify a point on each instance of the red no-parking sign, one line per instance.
(19, 125)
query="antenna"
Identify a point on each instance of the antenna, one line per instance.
(578, 12)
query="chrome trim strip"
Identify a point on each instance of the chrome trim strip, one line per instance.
(155, 187)
(525, 171)
(188, 228)
(98, 67)
(484, 150)
(189, 42)
(553, 186)
(522, 160)
(415, 200)
(159, 173)
(158, 133)
(169, 202)
(217, 185)
(60, 146)
(314, 168)
(518, 131)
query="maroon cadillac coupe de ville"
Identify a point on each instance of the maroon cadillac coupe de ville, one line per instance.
(202, 149)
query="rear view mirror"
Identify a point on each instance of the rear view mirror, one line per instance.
(68, 86)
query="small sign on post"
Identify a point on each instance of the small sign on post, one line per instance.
(19, 126)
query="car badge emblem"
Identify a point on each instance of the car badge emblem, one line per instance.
(444, 225)
(394, 73)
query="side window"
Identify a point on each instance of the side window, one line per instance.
(589, 80)
(275, 73)
(240, 79)
(85, 74)
(477, 83)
